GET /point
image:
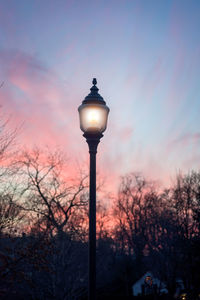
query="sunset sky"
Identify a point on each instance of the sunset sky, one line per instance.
(146, 58)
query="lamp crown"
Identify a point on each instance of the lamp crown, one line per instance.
(94, 96)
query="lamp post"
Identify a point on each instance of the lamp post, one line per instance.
(93, 114)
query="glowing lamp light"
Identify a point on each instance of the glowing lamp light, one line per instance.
(93, 112)
(93, 118)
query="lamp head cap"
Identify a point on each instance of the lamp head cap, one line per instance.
(94, 97)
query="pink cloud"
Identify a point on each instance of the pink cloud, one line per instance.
(184, 140)
(33, 95)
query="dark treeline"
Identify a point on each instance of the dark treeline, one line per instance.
(44, 231)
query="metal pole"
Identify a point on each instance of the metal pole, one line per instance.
(93, 141)
(92, 228)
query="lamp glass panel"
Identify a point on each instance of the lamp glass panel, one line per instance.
(93, 118)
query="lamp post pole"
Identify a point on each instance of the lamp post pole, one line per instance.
(93, 141)
(93, 114)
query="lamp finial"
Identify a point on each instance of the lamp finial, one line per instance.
(94, 81)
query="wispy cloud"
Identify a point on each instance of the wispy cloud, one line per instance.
(184, 140)
(33, 94)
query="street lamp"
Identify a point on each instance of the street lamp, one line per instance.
(93, 114)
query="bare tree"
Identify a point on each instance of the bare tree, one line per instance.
(48, 192)
(186, 202)
(10, 214)
(135, 210)
(55, 212)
